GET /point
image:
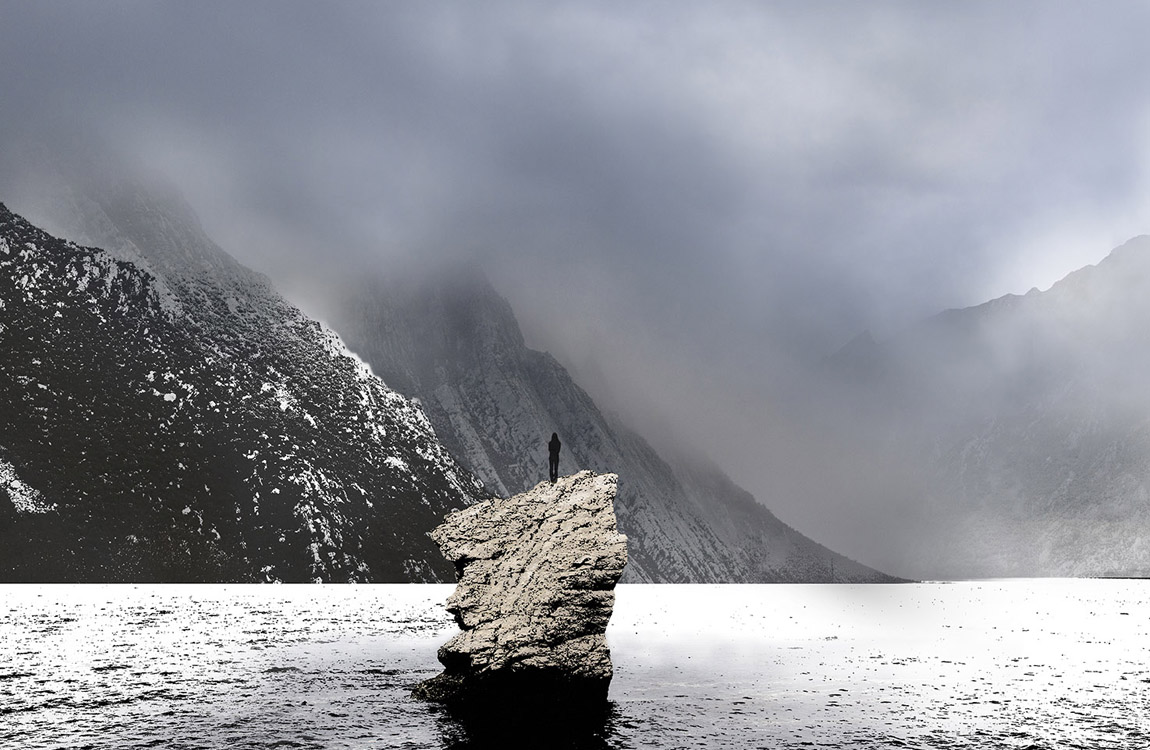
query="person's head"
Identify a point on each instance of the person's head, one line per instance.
(554, 436)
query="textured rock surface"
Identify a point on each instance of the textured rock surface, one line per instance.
(537, 575)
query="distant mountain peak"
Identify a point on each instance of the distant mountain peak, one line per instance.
(1020, 427)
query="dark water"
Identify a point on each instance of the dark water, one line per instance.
(1027, 664)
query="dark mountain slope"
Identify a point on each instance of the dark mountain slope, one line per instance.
(194, 426)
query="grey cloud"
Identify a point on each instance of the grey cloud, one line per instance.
(677, 197)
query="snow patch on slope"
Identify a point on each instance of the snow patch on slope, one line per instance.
(26, 499)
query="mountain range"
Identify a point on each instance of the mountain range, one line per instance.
(170, 416)
(166, 414)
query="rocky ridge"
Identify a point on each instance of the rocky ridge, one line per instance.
(185, 422)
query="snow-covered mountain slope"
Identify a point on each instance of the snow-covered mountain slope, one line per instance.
(450, 340)
(184, 422)
(1027, 420)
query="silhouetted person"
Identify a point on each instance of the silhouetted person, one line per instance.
(553, 458)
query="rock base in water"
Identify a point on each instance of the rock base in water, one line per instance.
(537, 692)
(537, 575)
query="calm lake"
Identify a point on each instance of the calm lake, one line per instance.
(990, 664)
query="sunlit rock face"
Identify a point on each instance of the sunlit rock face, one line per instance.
(537, 575)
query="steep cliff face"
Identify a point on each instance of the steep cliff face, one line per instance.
(186, 423)
(537, 575)
(451, 341)
(1027, 423)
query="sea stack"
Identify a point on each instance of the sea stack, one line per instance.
(537, 575)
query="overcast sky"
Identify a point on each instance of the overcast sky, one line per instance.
(681, 200)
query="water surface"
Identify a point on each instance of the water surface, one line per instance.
(1029, 664)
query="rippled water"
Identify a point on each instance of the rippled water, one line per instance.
(1029, 664)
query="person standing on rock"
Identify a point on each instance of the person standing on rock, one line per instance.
(553, 457)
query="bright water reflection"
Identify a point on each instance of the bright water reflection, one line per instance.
(1040, 664)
